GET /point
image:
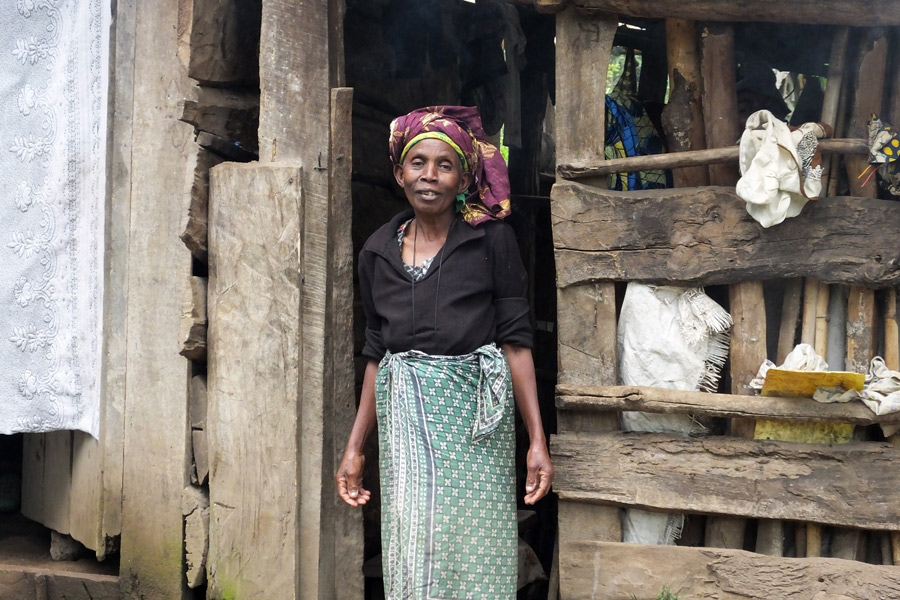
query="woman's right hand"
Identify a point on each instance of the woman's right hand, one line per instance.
(349, 479)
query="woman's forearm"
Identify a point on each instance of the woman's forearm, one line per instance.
(521, 367)
(365, 414)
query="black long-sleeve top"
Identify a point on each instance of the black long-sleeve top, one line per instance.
(473, 294)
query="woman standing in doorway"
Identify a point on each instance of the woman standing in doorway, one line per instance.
(448, 340)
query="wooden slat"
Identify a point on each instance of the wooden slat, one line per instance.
(733, 476)
(690, 158)
(703, 236)
(252, 420)
(156, 432)
(348, 522)
(581, 400)
(860, 13)
(301, 61)
(609, 570)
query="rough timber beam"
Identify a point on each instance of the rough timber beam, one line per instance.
(858, 13)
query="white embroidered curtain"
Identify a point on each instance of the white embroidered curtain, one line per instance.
(53, 112)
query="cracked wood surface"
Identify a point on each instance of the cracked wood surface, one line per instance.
(574, 402)
(860, 13)
(851, 485)
(704, 236)
(611, 570)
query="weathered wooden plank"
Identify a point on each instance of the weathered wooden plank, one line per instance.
(301, 61)
(586, 325)
(195, 235)
(230, 114)
(195, 508)
(851, 485)
(156, 458)
(690, 158)
(579, 523)
(860, 329)
(339, 343)
(252, 421)
(47, 484)
(586, 315)
(17, 582)
(860, 13)
(581, 400)
(194, 321)
(582, 59)
(608, 570)
(115, 284)
(868, 91)
(703, 236)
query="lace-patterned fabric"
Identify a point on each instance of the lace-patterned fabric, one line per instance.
(53, 101)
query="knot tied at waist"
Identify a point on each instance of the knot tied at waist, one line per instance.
(492, 388)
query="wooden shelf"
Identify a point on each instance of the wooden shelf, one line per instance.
(574, 401)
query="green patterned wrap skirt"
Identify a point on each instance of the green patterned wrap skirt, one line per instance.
(446, 442)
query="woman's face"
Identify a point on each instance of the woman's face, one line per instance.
(432, 176)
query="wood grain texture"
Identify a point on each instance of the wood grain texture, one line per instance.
(252, 421)
(690, 158)
(583, 46)
(704, 236)
(608, 570)
(157, 457)
(17, 583)
(860, 329)
(861, 13)
(582, 400)
(851, 485)
(301, 61)
(348, 523)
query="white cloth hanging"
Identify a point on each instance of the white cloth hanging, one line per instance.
(53, 110)
(777, 172)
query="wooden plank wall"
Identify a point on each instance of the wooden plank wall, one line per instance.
(158, 278)
(72, 483)
(701, 236)
(304, 149)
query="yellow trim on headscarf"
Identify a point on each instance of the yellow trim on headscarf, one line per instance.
(435, 135)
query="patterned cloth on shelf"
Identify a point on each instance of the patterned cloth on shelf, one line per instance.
(446, 442)
(53, 93)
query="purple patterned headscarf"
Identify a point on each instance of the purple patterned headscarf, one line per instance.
(460, 127)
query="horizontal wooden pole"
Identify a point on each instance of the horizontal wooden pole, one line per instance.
(593, 569)
(704, 236)
(573, 400)
(857, 13)
(691, 158)
(850, 485)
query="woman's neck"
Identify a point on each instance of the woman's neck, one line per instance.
(433, 228)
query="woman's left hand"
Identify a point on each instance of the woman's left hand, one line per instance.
(539, 476)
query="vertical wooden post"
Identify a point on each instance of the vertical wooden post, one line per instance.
(867, 99)
(683, 115)
(721, 128)
(348, 535)
(587, 352)
(301, 124)
(156, 427)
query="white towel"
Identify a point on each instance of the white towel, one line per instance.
(777, 174)
(53, 107)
